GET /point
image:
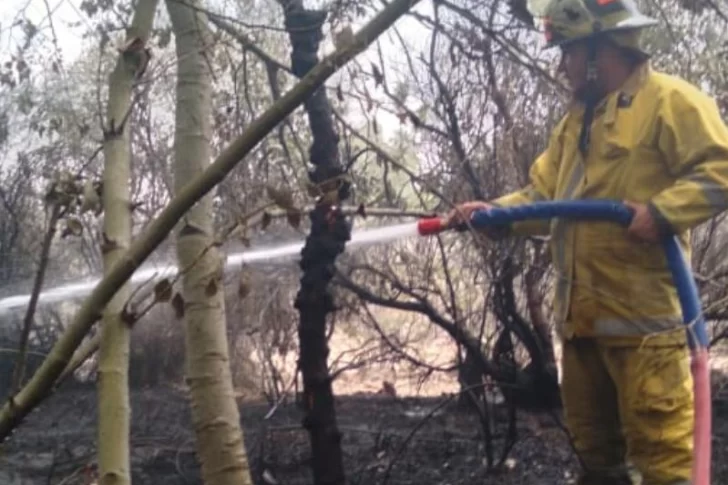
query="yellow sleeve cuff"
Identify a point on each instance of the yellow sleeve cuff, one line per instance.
(527, 195)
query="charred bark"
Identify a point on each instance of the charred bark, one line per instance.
(329, 233)
(536, 386)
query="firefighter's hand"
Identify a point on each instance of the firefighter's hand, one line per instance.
(643, 226)
(462, 212)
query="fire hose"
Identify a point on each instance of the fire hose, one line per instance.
(687, 290)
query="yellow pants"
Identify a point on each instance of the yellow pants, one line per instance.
(630, 412)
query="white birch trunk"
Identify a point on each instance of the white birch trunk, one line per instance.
(113, 377)
(215, 412)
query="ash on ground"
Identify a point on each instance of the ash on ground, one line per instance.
(384, 441)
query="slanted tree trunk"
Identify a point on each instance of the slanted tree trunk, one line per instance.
(329, 233)
(215, 414)
(19, 369)
(113, 385)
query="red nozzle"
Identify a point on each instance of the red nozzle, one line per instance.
(429, 226)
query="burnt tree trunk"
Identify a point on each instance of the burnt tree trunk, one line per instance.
(329, 233)
(536, 386)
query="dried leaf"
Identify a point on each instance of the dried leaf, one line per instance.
(74, 227)
(294, 218)
(313, 189)
(219, 270)
(90, 199)
(6, 79)
(133, 44)
(163, 290)
(243, 286)
(89, 7)
(266, 220)
(128, 316)
(52, 196)
(339, 93)
(244, 237)
(331, 184)
(401, 92)
(283, 198)
(361, 211)
(344, 38)
(211, 288)
(402, 117)
(378, 77)
(134, 206)
(107, 244)
(165, 35)
(190, 229)
(178, 303)
(23, 70)
(375, 126)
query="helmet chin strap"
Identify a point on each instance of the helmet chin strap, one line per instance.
(591, 95)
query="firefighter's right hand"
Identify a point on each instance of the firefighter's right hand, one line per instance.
(463, 212)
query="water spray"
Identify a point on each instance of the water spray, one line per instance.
(687, 290)
(149, 273)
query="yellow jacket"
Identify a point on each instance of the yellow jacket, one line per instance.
(658, 140)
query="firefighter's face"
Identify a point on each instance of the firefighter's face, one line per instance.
(573, 66)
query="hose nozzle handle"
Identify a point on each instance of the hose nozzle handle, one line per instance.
(431, 225)
(435, 225)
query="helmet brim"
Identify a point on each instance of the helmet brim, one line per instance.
(636, 22)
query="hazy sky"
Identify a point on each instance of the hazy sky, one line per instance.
(64, 12)
(67, 12)
(67, 22)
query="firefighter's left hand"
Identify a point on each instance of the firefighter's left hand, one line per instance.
(643, 226)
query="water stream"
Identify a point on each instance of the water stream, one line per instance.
(77, 289)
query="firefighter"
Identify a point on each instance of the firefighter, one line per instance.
(658, 143)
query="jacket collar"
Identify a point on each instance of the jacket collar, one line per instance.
(612, 102)
(622, 98)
